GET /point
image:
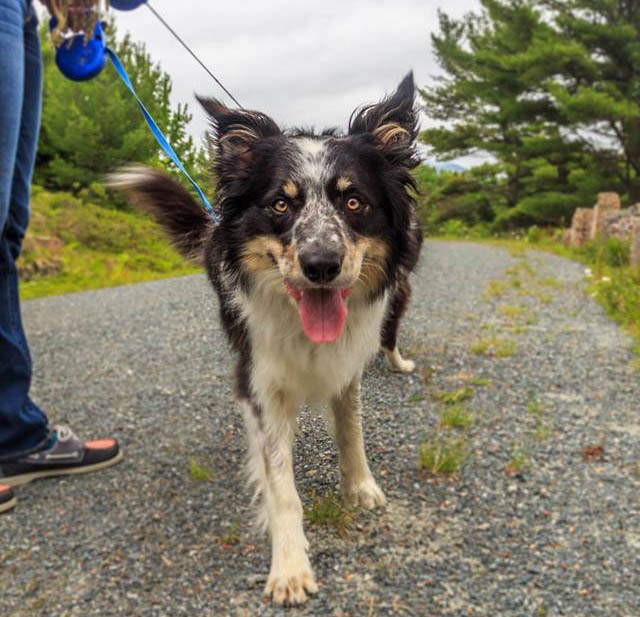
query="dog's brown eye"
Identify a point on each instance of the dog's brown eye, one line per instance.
(354, 204)
(280, 206)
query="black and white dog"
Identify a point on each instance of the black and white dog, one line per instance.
(310, 262)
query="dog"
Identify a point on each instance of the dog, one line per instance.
(310, 262)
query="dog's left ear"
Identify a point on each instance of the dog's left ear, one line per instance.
(237, 132)
(392, 123)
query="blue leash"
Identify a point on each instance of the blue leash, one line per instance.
(159, 135)
(79, 60)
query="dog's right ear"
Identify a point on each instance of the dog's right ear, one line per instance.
(236, 132)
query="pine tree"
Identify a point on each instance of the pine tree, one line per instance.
(490, 96)
(91, 128)
(597, 91)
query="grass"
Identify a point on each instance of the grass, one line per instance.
(454, 397)
(232, 536)
(534, 406)
(73, 245)
(199, 472)
(551, 282)
(416, 398)
(519, 461)
(443, 454)
(499, 348)
(455, 416)
(510, 311)
(481, 382)
(329, 511)
(542, 430)
(495, 289)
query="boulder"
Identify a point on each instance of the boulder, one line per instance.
(620, 224)
(635, 244)
(607, 203)
(581, 225)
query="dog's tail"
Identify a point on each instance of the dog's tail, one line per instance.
(181, 216)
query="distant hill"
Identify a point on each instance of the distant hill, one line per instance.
(446, 166)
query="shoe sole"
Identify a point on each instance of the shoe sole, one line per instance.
(7, 505)
(25, 478)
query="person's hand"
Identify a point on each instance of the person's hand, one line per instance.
(76, 17)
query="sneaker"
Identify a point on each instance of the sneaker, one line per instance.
(64, 454)
(7, 498)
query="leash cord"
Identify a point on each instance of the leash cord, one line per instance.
(159, 135)
(177, 36)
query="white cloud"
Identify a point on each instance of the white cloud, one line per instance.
(304, 63)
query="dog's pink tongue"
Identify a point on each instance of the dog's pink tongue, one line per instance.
(323, 314)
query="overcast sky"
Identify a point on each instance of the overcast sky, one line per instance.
(303, 63)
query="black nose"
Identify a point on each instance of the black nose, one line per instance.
(321, 266)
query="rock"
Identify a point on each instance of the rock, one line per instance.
(581, 225)
(41, 256)
(607, 203)
(635, 244)
(620, 224)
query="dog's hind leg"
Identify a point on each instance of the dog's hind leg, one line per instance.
(358, 486)
(389, 339)
(271, 430)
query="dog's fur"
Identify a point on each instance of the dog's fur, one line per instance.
(304, 218)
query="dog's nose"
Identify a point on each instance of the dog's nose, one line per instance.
(321, 266)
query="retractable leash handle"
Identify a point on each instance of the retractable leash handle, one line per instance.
(82, 61)
(126, 5)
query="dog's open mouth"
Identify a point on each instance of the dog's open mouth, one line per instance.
(322, 311)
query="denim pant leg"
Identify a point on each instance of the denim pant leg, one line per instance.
(23, 426)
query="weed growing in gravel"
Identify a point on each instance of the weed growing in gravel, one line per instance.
(455, 416)
(515, 282)
(481, 382)
(544, 298)
(416, 398)
(481, 348)
(199, 472)
(515, 329)
(504, 348)
(443, 454)
(500, 348)
(232, 536)
(542, 430)
(531, 319)
(329, 511)
(518, 462)
(454, 397)
(495, 289)
(535, 406)
(511, 311)
(551, 282)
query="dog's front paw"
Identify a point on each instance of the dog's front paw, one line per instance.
(366, 494)
(289, 587)
(398, 363)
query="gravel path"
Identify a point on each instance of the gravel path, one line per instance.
(543, 518)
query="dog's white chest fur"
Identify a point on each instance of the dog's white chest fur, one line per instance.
(285, 359)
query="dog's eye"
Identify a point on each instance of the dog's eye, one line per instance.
(354, 204)
(280, 206)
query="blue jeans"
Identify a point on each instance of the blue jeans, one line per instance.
(23, 426)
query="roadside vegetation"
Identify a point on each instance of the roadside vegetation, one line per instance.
(73, 244)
